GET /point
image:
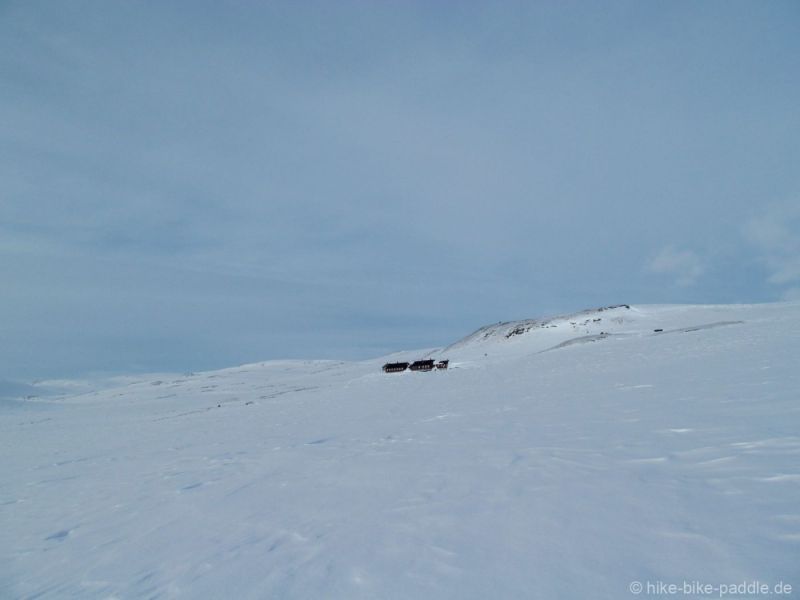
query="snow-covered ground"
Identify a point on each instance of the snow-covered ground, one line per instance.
(563, 458)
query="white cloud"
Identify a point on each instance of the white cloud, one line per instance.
(785, 270)
(791, 294)
(775, 236)
(775, 231)
(684, 265)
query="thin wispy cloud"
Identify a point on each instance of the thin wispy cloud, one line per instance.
(775, 238)
(685, 266)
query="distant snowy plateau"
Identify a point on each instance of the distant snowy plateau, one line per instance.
(562, 458)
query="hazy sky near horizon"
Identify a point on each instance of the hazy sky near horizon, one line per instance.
(193, 185)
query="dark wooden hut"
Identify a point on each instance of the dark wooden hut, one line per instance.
(395, 367)
(442, 364)
(422, 365)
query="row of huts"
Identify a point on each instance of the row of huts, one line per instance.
(417, 365)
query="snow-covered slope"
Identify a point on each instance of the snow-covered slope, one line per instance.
(515, 338)
(561, 458)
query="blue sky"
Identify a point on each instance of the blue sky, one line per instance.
(192, 185)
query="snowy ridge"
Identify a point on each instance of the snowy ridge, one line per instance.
(563, 461)
(596, 320)
(509, 329)
(519, 338)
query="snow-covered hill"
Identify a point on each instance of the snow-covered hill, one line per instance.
(557, 458)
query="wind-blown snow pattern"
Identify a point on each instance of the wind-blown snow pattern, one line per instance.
(558, 458)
